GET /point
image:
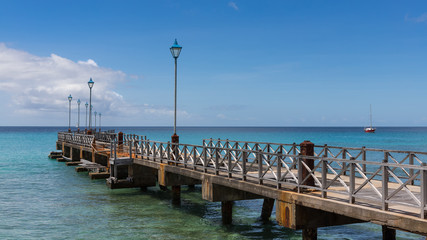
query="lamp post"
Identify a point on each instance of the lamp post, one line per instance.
(69, 112)
(86, 104)
(90, 84)
(175, 50)
(99, 122)
(95, 120)
(78, 115)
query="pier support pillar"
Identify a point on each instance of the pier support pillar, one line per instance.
(388, 233)
(227, 212)
(176, 195)
(309, 234)
(267, 208)
(307, 149)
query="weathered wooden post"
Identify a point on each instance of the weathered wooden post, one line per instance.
(176, 190)
(423, 185)
(267, 208)
(307, 149)
(120, 141)
(227, 212)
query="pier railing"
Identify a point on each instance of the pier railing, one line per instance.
(106, 137)
(76, 138)
(372, 177)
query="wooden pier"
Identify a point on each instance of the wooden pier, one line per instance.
(312, 186)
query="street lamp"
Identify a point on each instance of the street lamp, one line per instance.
(95, 120)
(175, 50)
(86, 104)
(78, 118)
(69, 112)
(99, 122)
(90, 84)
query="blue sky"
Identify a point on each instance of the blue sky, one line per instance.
(243, 63)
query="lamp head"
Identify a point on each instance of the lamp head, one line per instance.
(86, 104)
(78, 101)
(90, 83)
(70, 98)
(175, 49)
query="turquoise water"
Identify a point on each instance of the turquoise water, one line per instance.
(43, 199)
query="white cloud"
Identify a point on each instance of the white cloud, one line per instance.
(43, 83)
(233, 5)
(419, 19)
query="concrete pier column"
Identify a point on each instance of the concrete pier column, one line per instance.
(388, 233)
(227, 212)
(176, 195)
(307, 149)
(309, 234)
(267, 208)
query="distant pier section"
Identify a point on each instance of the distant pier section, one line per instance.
(313, 186)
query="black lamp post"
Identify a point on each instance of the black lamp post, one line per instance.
(69, 112)
(78, 115)
(90, 84)
(175, 50)
(86, 104)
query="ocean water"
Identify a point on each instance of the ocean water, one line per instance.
(43, 199)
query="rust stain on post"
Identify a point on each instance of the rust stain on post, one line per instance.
(162, 174)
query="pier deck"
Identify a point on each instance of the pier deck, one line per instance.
(313, 186)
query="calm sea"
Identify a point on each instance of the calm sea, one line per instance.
(43, 199)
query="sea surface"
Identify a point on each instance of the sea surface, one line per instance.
(41, 198)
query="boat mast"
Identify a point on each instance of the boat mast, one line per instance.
(370, 108)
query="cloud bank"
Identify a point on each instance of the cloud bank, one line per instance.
(233, 5)
(419, 19)
(38, 84)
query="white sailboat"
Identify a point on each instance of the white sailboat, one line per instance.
(370, 129)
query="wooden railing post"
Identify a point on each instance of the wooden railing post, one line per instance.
(260, 169)
(244, 160)
(205, 159)
(324, 174)
(423, 185)
(364, 159)
(161, 152)
(147, 149)
(352, 180)
(169, 153)
(279, 168)
(344, 156)
(120, 141)
(307, 149)
(130, 149)
(217, 160)
(300, 170)
(184, 149)
(294, 152)
(385, 182)
(411, 171)
(194, 158)
(229, 162)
